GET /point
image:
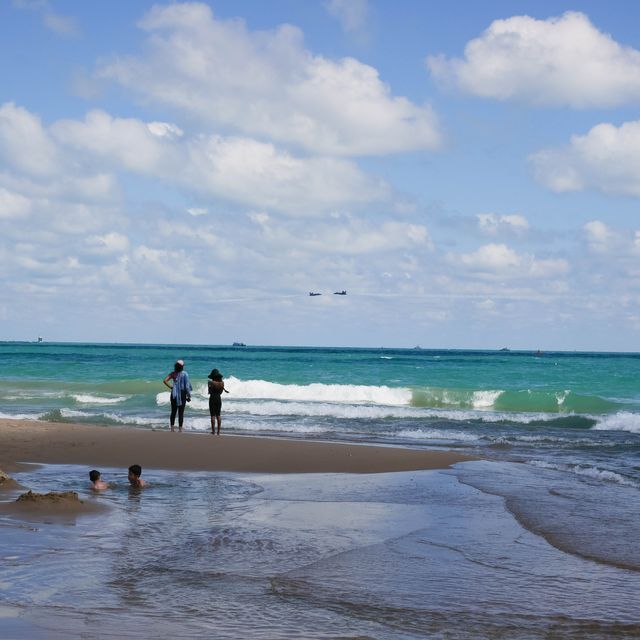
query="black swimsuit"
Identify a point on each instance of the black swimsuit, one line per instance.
(215, 400)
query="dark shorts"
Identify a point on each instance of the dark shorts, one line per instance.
(215, 405)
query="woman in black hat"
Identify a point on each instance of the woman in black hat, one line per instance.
(216, 387)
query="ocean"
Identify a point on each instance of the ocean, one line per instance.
(535, 539)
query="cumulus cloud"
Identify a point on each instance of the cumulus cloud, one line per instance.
(602, 239)
(243, 171)
(498, 260)
(268, 84)
(493, 224)
(560, 61)
(131, 143)
(259, 175)
(24, 144)
(607, 158)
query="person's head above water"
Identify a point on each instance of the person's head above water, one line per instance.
(179, 365)
(94, 475)
(136, 470)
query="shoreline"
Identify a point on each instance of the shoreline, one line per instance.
(27, 441)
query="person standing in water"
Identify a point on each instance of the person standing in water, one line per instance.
(180, 393)
(216, 387)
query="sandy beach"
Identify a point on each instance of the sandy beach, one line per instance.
(24, 441)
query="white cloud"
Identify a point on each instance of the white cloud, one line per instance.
(112, 242)
(240, 170)
(165, 130)
(62, 25)
(267, 84)
(13, 205)
(131, 143)
(197, 211)
(613, 244)
(24, 144)
(493, 224)
(352, 14)
(176, 268)
(259, 175)
(559, 61)
(350, 237)
(499, 260)
(607, 158)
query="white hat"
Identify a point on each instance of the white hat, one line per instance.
(180, 362)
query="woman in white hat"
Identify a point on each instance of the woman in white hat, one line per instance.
(180, 393)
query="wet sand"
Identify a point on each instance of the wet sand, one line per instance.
(26, 441)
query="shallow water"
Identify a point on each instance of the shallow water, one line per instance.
(432, 554)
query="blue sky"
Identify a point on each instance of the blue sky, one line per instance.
(188, 172)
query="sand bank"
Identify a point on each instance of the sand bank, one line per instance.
(94, 446)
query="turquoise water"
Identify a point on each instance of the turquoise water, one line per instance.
(575, 412)
(536, 540)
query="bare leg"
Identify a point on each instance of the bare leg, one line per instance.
(219, 422)
(213, 425)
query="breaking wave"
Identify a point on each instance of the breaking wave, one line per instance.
(587, 471)
(86, 398)
(621, 421)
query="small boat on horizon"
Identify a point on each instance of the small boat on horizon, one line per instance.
(238, 344)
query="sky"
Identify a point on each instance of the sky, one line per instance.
(187, 172)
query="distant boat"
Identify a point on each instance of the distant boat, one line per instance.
(505, 349)
(40, 339)
(340, 293)
(313, 293)
(238, 344)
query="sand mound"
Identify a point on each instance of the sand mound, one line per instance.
(55, 506)
(7, 482)
(52, 497)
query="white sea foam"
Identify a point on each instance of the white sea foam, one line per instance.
(621, 421)
(485, 399)
(319, 409)
(201, 424)
(86, 398)
(139, 420)
(587, 471)
(74, 413)
(435, 434)
(281, 428)
(547, 438)
(34, 395)
(21, 416)
(318, 392)
(347, 405)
